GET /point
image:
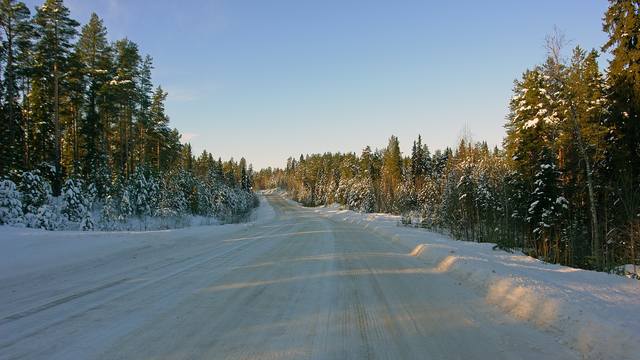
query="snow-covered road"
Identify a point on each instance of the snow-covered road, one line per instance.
(295, 285)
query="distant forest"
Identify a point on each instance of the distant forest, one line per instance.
(564, 187)
(83, 129)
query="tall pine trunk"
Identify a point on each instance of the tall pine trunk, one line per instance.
(11, 96)
(56, 121)
(595, 232)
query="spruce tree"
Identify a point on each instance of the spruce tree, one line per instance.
(10, 204)
(74, 203)
(109, 214)
(35, 190)
(545, 210)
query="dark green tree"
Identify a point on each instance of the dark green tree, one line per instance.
(54, 32)
(95, 56)
(622, 23)
(15, 24)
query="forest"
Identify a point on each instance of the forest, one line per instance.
(86, 141)
(563, 187)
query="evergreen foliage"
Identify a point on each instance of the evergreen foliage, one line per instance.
(74, 203)
(563, 188)
(10, 204)
(35, 191)
(85, 132)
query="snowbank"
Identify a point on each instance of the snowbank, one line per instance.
(595, 313)
(24, 250)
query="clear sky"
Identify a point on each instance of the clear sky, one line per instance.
(267, 79)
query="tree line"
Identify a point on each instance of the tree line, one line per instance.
(564, 186)
(81, 112)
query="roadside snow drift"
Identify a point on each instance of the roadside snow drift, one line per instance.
(595, 313)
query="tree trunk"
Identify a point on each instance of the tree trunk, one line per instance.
(595, 233)
(158, 154)
(142, 145)
(56, 120)
(11, 97)
(75, 140)
(26, 124)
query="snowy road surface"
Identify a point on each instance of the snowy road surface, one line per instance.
(299, 286)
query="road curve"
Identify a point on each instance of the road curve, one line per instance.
(299, 287)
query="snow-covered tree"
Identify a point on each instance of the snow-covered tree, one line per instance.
(90, 196)
(74, 203)
(173, 201)
(545, 210)
(35, 190)
(430, 200)
(109, 215)
(142, 191)
(10, 204)
(126, 208)
(87, 223)
(406, 197)
(47, 218)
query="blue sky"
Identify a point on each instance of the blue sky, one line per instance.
(269, 79)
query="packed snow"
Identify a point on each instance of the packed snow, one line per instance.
(593, 312)
(24, 250)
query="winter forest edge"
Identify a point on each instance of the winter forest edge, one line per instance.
(564, 187)
(86, 145)
(86, 141)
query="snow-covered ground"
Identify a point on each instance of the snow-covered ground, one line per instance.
(594, 312)
(25, 250)
(297, 283)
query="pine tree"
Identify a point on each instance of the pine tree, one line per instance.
(72, 149)
(159, 129)
(54, 31)
(95, 55)
(125, 95)
(16, 25)
(144, 125)
(622, 23)
(586, 132)
(391, 172)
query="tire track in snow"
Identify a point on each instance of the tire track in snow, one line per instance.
(66, 299)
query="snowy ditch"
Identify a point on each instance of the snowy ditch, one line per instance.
(595, 313)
